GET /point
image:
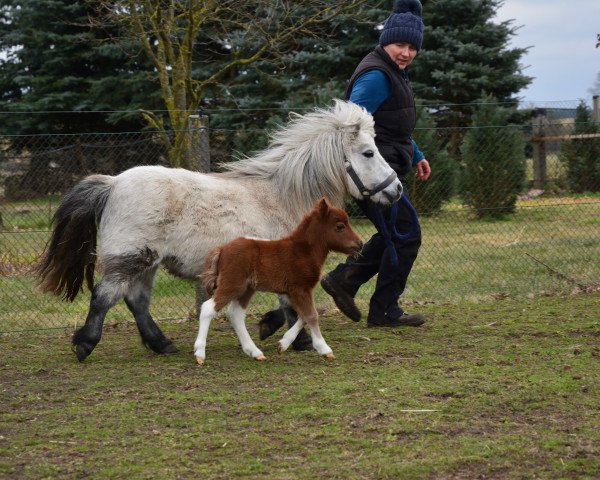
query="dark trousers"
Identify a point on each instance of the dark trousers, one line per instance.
(375, 259)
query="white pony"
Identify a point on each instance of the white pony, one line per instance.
(147, 216)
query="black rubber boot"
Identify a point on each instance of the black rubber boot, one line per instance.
(343, 300)
(270, 322)
(404, 320)
(273, 320)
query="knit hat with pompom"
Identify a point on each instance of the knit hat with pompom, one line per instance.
(404, 25)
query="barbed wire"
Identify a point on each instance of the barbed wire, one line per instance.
(254, 130)
(528, 104)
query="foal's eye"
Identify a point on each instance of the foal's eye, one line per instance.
(369, 153)
(340, 227)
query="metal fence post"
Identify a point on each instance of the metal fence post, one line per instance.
(539, 148)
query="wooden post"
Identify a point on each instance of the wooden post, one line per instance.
(595, 111)
(199, 155)
(199, 151)
(539, 148)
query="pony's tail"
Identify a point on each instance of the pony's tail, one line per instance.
(71, 255)
(209, 275)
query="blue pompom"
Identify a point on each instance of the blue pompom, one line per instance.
(404, 6)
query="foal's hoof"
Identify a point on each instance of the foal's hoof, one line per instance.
(199, 360)
(280, 348)
(260, 358)
(329, 356)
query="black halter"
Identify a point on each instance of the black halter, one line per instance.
(386, 229)
(364, 191)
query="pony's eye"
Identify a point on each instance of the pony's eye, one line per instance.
(340, 227)
(369, 154)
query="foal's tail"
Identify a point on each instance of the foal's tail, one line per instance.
(71, 256)
(209, 275)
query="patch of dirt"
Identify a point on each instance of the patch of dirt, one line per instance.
(387, 358)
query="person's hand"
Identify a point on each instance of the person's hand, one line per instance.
(423, 170)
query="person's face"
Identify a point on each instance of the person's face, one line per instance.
(401, 53)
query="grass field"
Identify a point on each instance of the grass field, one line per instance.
(552, 244)
(505, 389)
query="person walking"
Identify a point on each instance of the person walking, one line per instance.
(380, 84)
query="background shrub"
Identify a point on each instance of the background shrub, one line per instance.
(493, 162)
(582, 156)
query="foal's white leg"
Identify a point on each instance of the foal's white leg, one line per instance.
(319, 343)
(290, 336)
(207, 314)
(237, 316)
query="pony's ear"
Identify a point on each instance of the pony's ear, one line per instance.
(351, 131)
(352, 127)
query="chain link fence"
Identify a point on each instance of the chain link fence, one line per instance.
(547, 242)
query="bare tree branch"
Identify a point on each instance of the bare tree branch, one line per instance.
(169, 30)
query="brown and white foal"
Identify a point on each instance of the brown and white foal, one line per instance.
(290, 266)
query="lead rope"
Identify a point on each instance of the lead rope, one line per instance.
(388, 230)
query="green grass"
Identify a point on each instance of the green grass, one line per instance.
(30, 214)
(29, 309)
(551, 245)
(556, 170)
(461, 258)
(504, 389)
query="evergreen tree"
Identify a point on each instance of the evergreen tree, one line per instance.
(62, 76)
(582, 156)
(311, 72)
(428, 197)
(465, 54)
(198, 48)
(57, 65)
(493, 160)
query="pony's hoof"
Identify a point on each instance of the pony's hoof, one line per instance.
(329, 356)
(260, 358)
(82, 351)
(162, 347)
(199, 360)
(280, 348)
(169, 348)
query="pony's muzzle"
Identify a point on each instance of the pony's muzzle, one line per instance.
(394, 196)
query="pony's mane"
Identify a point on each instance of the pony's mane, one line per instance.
(304, 159)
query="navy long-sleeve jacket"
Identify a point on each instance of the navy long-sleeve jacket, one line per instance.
(369, 91)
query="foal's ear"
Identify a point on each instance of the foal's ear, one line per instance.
(323, 207)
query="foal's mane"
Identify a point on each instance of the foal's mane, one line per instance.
(305, 158)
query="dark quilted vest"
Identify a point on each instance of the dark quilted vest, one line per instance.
(395, 119)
